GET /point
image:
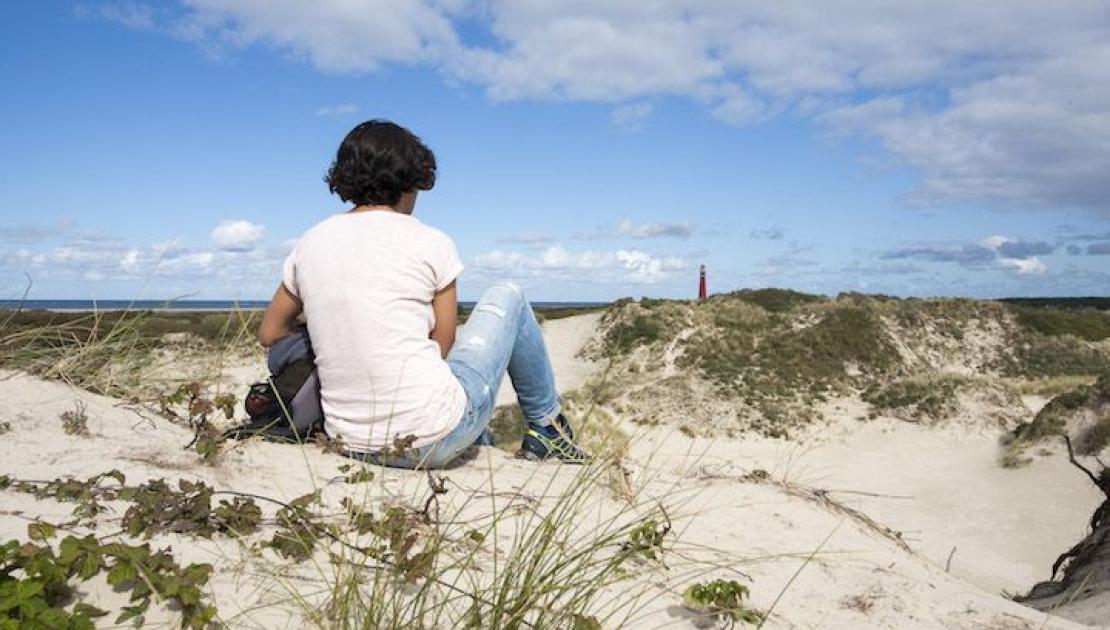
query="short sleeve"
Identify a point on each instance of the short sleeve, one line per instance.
(289, 274)
(446, 265)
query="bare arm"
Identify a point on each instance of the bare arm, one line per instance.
(280, 317)
(445, 305)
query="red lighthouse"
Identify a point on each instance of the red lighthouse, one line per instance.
(701, 284)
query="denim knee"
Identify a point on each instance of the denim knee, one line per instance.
(508, 285)
(506, 295)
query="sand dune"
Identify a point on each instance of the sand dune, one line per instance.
(835, 567)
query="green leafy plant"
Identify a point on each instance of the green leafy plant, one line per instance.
(722, 600)
(76, 421)
(360, 474)
(646, 539)
(298, 532)
(207, 439)
(37, 582)
(88, 495)
(157, 507)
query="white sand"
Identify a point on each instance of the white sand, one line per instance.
(564, 338)
(1007, 525)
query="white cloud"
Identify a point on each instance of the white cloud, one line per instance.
(130, 261)
(996, 101)
(1012, 254)
(80, 263)
(135, 15)
(632, 117)
(335, 35)
(528, 238)
(168, 250)
(624, 265)
(994, 242)
(738, 107)
(36, 232)
(1023, 266)
(770, 234)
(238, 235)
(341, 110)
(628, 227)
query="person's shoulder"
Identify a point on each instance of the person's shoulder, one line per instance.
(433, 233)
(323, 227)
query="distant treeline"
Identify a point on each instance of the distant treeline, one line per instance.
(1099, 303)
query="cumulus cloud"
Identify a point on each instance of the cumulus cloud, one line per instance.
(1016, 114)
(237, 235)
(74, 264)
(624, 265)
(335, 35)
(341, 110)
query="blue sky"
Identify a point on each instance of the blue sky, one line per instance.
(588, 151)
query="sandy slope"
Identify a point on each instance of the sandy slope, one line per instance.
(564, 338)
(1007, 525)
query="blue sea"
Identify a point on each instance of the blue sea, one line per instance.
(199, 305)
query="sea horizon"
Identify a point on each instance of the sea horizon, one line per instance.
(207, 305)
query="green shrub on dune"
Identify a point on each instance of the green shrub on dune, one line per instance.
(771, 357)
(731, 357)
(777, 300)
(929, 396)
(1083, 412)
(1087, 324)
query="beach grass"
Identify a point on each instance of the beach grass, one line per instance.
(481, 561)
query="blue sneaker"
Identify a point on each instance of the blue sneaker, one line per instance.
(555, 441)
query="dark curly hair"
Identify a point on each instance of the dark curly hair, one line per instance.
(379, 161)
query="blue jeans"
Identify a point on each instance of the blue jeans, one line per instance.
(500, 335)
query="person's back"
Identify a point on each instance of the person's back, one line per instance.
(377, 288)
(367, 280)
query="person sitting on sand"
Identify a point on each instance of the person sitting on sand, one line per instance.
(377, 288)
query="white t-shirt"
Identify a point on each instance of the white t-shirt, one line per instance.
(366, 280)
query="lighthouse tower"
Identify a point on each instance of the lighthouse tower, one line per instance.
(701, 284)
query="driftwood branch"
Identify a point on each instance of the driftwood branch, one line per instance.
(1094, 478)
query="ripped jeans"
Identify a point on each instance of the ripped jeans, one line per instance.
(500, 335)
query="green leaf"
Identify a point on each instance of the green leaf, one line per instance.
(135, 613)
(117, 475)
(121, 574)
(360, 476)
(53, 618)
(306, 500)
(90, 565)
(88, 610)
(585, 622)
(40, 531)
(28, 588)
(189, 595)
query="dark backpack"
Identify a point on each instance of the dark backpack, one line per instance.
(285, 407)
